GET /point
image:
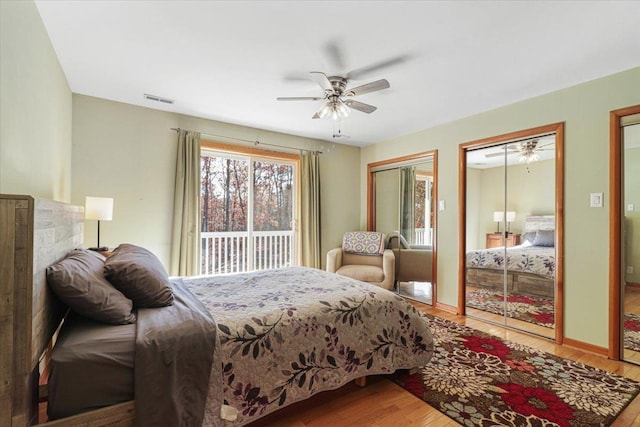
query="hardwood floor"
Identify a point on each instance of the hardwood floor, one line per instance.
(384, 404)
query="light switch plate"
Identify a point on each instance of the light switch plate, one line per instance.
(596, 200)
(630, 207)
(441, 205)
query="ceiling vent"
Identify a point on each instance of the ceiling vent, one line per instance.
(158, 98)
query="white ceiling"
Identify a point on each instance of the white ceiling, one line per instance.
(229, 60)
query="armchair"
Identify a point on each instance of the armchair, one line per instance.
(363, 257)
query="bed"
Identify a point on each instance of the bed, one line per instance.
(272, 338)
(530, 266)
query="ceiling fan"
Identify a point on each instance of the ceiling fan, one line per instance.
(339, 99)
(528, 150)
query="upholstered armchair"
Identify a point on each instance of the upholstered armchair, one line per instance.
(363, 257)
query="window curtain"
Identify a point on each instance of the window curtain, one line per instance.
(310, 209)
(185, 242)
(408, 203)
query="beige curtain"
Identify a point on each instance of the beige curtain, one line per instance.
(185, 242)
(310, 209)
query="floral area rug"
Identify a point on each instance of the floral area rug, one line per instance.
(536, 310)
(632, 331)
(481, 380)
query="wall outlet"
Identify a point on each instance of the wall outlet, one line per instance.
(630, 207)
(630, 269)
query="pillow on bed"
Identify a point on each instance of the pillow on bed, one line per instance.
(544, 238)
(78, 280)
(140, 275)
(529, 236)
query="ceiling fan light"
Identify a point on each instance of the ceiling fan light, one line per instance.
(529, 157)
(342, 109)
(326, 109)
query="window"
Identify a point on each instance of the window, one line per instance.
(248, 207)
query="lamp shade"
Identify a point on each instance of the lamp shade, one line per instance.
(100, 208)
(511, 215)
(498, 216)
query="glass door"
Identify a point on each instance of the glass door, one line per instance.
(248, 208)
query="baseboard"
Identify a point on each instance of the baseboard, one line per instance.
(446, 307)
(600, 351)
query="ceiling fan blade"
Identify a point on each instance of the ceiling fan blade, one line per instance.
(501, 154)
(360, 106)
(299, 98)
(369, 87)
(361, 72)
(335, 54)
(322, 80)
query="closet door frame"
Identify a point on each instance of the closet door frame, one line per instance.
(558, 129)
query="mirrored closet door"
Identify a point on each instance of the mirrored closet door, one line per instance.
(401, 205)
(511, 241)
(628, 238)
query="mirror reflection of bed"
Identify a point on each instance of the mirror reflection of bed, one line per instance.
(510, 230)
(529, 277)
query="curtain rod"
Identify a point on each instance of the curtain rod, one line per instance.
(256, 142)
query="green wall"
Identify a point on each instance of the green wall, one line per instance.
(530, 191)
(35, 108)
(128, 153)
(585, 110)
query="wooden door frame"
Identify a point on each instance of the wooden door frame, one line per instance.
(371, 203)
(615, 228)
(558, 129)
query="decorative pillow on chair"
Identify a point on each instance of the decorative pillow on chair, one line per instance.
(363, 242)
(78, 280)
(139, 274)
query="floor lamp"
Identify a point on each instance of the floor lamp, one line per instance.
(100, 209)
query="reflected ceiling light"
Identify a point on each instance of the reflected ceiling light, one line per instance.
(527, 152)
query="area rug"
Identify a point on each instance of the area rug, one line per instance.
(536, 310)
(632, 331)
(480, 380)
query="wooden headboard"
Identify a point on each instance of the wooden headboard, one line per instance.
(540, 222)
(34, 234)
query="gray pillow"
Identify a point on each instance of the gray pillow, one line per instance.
(544, 238)
(140, 275)
(529, 237)
(78, 280)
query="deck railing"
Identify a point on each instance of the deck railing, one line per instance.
(234, 252)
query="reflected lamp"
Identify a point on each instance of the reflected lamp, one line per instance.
(498, 217)
(511, 216)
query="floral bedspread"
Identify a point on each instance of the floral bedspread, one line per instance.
(527, 259)
(290, 333)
